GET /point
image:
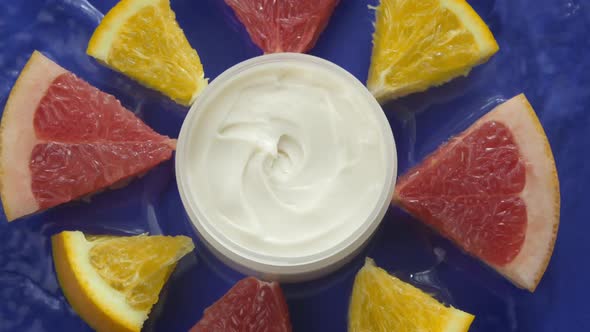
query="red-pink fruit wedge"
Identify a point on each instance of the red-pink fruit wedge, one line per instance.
(250, 305)
(284, 25)
(494, 191)
(62, 138)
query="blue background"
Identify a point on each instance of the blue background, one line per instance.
(544, 46)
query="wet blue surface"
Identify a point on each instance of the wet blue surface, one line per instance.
(544, 46)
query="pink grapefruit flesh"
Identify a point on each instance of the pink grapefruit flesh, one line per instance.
(284, 25)
(61, 139)
(494, 191)
(250, 305)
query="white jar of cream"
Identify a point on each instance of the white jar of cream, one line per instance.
(286, 165)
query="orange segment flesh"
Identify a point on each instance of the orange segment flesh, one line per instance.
(112, 282)
(419, 44)
(381, 302)
(142, 40)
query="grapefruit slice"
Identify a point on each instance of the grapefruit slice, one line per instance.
(62, 138)
(250, 305)
(494, 191)
(284, 25)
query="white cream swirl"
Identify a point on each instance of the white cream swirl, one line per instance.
(287, 159)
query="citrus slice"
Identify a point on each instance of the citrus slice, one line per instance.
(62, 138)
(141, 39)
(494, 191)
(251, 305)
(419, 44)
(381, 302)
(113, 282)
(286, 25)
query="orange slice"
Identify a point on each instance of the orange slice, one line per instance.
(141, 39)
(419, 44)
(113, 282)
(382, 303)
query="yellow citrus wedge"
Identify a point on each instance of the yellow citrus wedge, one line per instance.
(141, 39)
(419, 44)
(382, 303)
(113, 282)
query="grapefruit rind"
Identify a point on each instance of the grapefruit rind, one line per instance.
(103, 308)
(17, 135)
(541, 191)
(106, 33)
